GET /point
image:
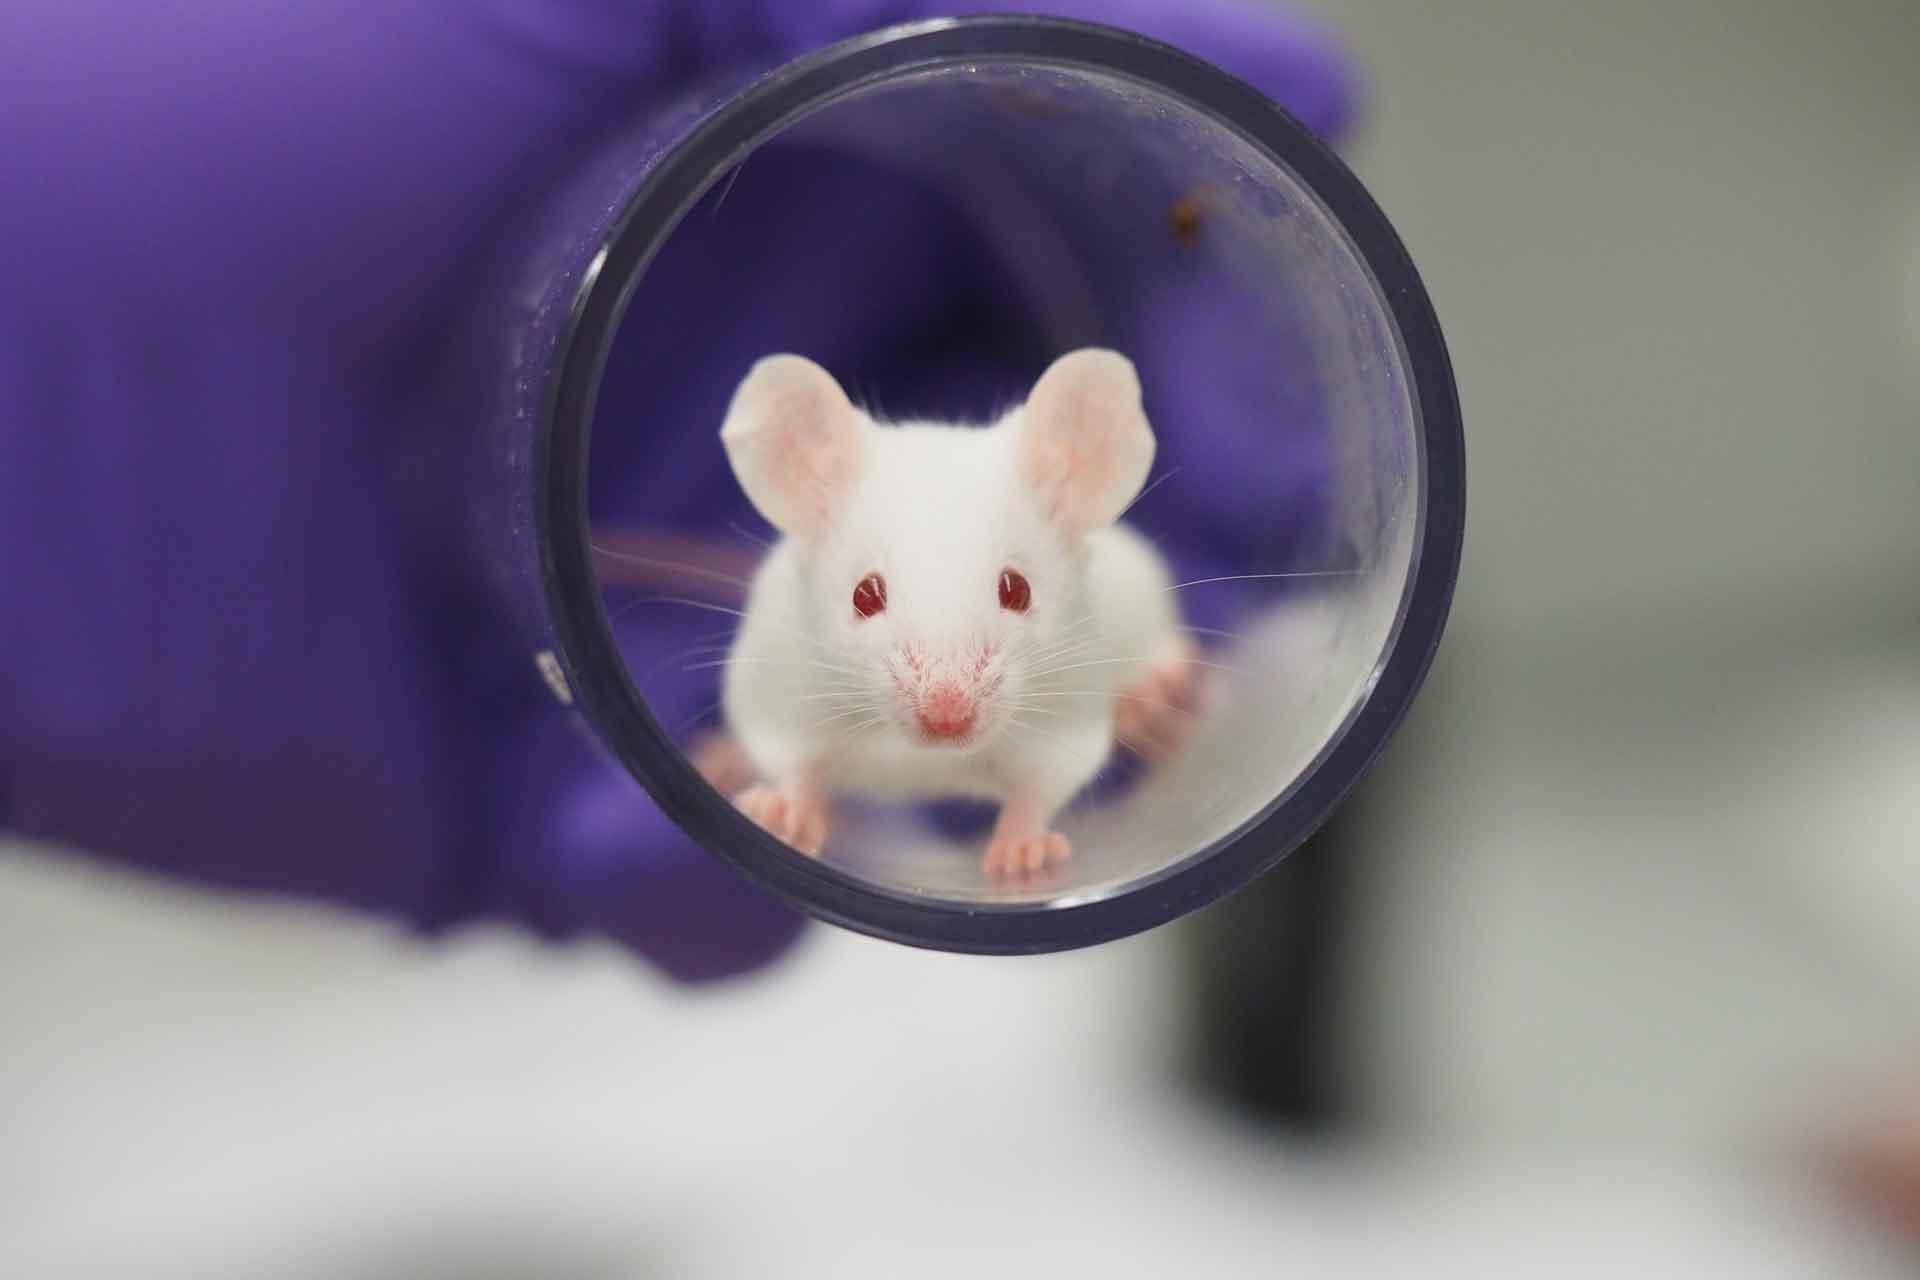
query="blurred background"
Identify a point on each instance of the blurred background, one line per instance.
(1628, 918)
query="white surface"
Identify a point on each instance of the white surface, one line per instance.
(198, 1089)
(1660, 890)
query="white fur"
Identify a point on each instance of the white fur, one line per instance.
(814, 691)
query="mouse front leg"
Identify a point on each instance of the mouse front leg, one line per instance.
(794, 809)
(1023, 841)
(1039, 782)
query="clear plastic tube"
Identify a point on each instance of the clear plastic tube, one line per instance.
(1128, 196)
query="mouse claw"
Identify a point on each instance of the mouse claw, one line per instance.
(1029, 853)
(1156, 713)
(797, 815)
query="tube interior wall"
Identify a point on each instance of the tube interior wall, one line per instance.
(935, 241)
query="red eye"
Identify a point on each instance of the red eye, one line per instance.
(870, 596)
(1015, 594)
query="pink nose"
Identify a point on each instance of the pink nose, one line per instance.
(946, 712)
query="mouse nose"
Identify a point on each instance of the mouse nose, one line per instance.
(946, 712)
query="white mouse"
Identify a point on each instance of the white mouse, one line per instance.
(950, 610)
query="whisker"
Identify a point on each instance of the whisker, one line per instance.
(1067, 644)
(697, 717)
(714, 608)
(847, 732)
(1052, 652)
(1108, 693)
(1022, 706)
(729, 662)
(725, 662)
(1165, 476)
(1257, 577)
(1074, 631)
(663, 663)
(1103, 662)
(849, 691)
(1064, 652)
(631, 605)
(628, 557)
(1046, 662)
(863, 709)
(754, 538)
(1030, 731)
(728, 189)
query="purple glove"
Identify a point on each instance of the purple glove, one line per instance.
(230, 237)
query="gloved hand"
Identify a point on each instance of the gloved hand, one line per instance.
(230, 237)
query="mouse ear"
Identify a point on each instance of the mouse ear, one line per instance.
(793, 438)
(1085, 444)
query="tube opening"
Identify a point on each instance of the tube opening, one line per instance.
(932, 233)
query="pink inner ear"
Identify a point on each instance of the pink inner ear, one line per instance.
(1086, 444)
(793, 438)
(1063, 472)
(814, 464)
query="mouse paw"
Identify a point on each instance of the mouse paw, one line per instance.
(796, 814)
(722, 761)
(1155, 714)
(1025, 853)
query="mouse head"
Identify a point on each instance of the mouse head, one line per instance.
(944, 565)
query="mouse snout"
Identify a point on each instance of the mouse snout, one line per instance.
(946, 712)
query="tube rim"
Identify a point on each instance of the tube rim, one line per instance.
(601, 685)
